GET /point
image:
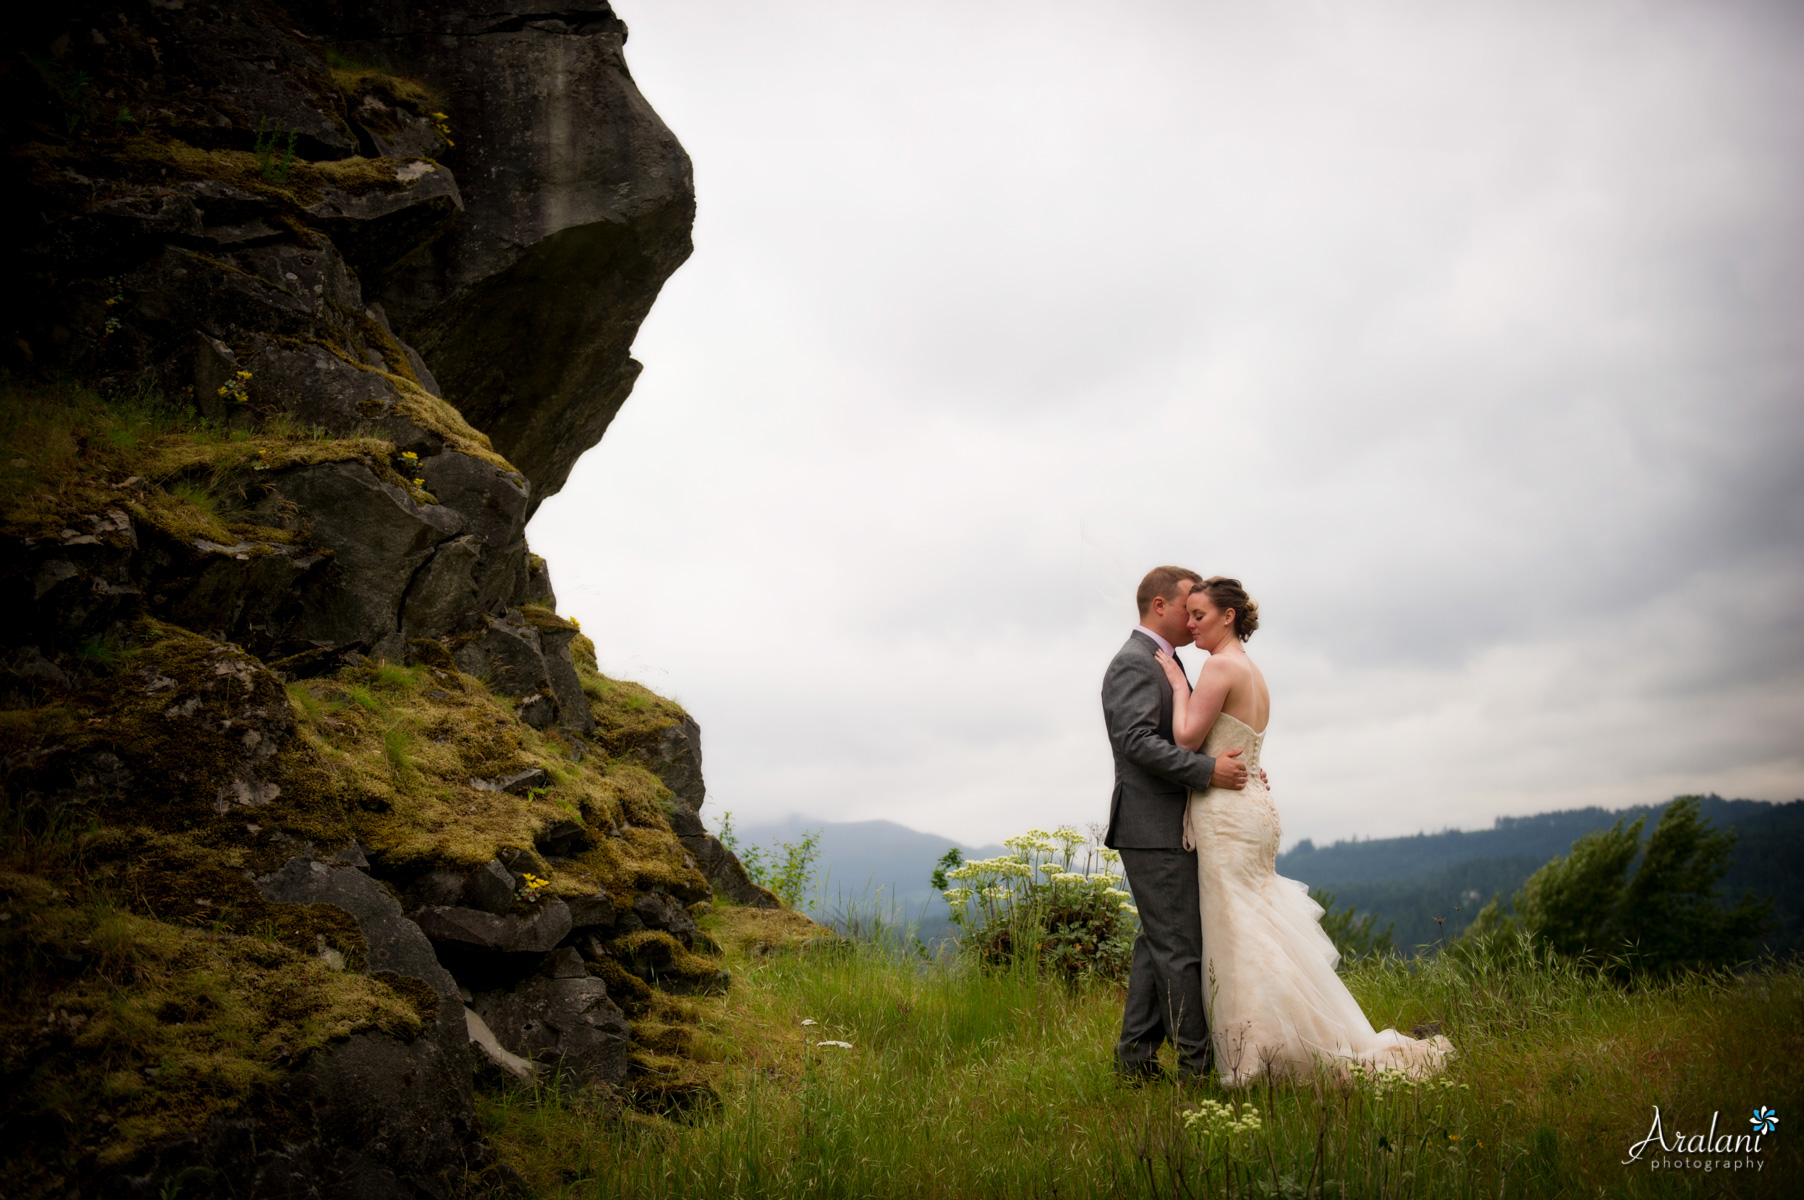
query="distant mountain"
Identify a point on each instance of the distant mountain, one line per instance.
(1451, 875)
(870, 865)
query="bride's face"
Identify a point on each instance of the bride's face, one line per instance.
(1208, 624)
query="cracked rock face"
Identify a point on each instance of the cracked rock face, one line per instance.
(527, 306)
(569, 1022)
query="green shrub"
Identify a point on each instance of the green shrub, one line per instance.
(1039, 905)
(786, 869)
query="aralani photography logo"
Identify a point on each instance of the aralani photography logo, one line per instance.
(1710, 1151)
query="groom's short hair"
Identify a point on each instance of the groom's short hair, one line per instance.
(1163, 581)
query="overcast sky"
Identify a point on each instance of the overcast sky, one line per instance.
(1470, 336)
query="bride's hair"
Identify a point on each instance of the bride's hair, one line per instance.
(1227, 593)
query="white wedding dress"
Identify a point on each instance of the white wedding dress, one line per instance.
(1275, 1003)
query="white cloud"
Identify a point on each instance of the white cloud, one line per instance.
(1466, 336)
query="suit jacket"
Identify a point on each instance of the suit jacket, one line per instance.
(1153, 774)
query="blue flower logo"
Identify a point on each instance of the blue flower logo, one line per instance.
(1764, 1119)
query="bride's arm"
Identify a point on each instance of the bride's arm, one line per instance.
(1193, 712)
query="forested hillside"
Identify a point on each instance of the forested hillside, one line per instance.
(1450, 875)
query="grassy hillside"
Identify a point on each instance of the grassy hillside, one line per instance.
(955, 1083)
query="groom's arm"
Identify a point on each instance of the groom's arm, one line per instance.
(1131, 707)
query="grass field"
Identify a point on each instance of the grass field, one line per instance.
(960, 1083)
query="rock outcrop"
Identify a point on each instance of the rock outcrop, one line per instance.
(324, 815)
(527, 308)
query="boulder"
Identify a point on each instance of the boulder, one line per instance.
(489, 888)
(676, 758)
(484, 950)
(659, 911)
(567, 1022)
(490, 1055)
(526, 653)
(505, 655)
(378, 537)
(591, 913)
(533, 933)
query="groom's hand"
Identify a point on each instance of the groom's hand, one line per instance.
(1230, 772)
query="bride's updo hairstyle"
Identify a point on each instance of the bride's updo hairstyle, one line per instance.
(1227, 593)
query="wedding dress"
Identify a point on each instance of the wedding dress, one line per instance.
(1274, 1001)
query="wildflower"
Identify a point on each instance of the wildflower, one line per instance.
(996, 892)
(410, 456)
(1068, 877)
(576, 623)
(419, 483)
(838, 1045)
(1212, 1118)
(244, 374)
(957, 896)
(806, 1021)
(1033, 839)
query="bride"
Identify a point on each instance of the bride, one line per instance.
(1274, 1001)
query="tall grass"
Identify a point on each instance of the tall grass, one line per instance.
(961, 1082)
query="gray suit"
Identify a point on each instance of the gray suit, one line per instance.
(1153, 779)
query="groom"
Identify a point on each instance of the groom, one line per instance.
(1153, 779)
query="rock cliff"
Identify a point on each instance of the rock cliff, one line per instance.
(317, 813)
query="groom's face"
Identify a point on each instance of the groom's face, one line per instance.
(1170, 618)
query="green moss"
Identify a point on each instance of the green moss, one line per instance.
(84, 454)
(355, 80)
(628, 716)
(221, 978)
(115, 1021)
(156, 158)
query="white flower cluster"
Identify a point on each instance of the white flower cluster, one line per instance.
(1034, 840)
(1005, 867)
(1212, 1118)
(994, 884)
(1384, 1080)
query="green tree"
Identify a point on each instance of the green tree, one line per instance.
(1664, 917)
